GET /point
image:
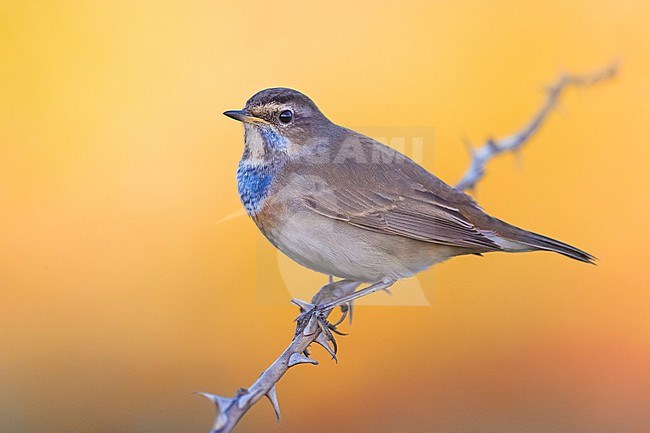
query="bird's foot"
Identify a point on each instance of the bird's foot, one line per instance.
(313, 321)
(336, 290)
(313, 316)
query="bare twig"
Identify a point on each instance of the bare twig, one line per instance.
(308, 331)
(312, 326)
(231, 410)
(513, 143)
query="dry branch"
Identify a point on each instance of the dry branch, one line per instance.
(310, 327)
(482, 155)
(231, 410)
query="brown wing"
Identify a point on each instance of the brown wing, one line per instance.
(392, 198)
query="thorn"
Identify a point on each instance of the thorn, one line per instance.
(220, 401)
(312, 325)
(304, 306)
(299, 358)
(222, 404)
(306, 352)
(273, 398)
(388, 292)
(492, 144)
(322, 340)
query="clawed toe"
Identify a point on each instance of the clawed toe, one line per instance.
(313, 319)
(346, 311)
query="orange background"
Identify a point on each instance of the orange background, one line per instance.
(119, 295)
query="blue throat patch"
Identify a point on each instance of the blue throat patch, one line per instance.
(272, 139)
(253, 182)
(254, 179)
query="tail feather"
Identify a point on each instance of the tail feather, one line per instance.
(516, 239)
(540, 242)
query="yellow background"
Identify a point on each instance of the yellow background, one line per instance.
(120, 295)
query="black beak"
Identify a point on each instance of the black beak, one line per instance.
(243, 117)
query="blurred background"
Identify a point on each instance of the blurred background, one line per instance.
(120, 294)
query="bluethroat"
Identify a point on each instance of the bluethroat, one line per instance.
(343, 204)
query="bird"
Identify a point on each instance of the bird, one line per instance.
(345, 205)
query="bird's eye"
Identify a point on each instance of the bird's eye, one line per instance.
(286, 116)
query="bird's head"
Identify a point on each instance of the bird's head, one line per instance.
(280, 123)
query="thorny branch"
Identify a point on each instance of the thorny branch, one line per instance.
(312, 325)
(513, 143)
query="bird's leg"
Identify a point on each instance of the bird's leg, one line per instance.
(327, 294)
(381, 285)
(336, 290)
